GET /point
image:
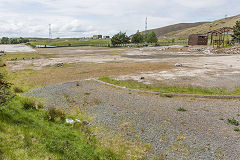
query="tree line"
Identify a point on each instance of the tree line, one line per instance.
(6, 40)
(122, 38)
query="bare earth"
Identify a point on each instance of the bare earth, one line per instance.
(199, 69)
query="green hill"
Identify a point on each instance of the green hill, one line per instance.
(176, 27)
(206, 27)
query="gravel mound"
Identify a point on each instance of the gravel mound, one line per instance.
(201, 132)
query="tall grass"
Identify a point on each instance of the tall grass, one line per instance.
(27, 134)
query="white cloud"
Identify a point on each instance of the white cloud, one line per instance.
(76, 18)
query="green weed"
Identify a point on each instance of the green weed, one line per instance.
(233, 122)
(181, 109)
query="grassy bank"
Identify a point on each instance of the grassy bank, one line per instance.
(170, 89)
(29, 133)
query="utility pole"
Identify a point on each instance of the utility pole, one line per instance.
(146, 23)
(50, 33)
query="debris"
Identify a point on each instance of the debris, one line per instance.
(59, 64)
(178, 65)
(69, 121)
(142, 78)
(77, 120)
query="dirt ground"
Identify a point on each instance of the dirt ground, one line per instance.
(199, 67)
(15, 48)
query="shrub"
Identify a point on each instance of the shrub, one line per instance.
(236, 30)
(236, 129)
(181, 109)
(31, 103)
(233, 122)
(17, 90)
(5, 93)
(54, 115)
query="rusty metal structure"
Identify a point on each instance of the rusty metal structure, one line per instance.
(218, 37)
(198, 39)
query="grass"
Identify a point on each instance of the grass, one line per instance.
(20, 56)
(170, 89)
(29, 132)
(181, 109)
(73, 42)
(26, 133)
(226, 22)
(29, 79)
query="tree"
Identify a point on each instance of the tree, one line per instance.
(120, 38)
(137, 38)
(5, 40)
(236, 31)
(14, 41)
(151, 37)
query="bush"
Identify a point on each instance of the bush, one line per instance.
(17, 90)
(233, 122)
(5, 93)
(54, 115)
(236, 30)
(236, 129)
(31, 103)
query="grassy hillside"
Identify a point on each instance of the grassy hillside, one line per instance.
(206, 27)
(176, 27)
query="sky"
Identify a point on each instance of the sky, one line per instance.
(84, 18)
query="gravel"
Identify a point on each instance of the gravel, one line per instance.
(197, 133)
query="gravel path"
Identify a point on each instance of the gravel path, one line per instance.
(197, 133)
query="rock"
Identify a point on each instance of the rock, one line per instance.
(142, 78)
(178, 65)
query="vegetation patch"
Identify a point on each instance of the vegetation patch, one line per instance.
(170, 89)
(233, 122)
(181, 109)
(236, 129)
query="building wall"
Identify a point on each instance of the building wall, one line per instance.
(196, 39)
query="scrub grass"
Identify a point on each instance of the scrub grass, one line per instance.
(73, 42)
(26, 133)
(20, 56)
(170, 89)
